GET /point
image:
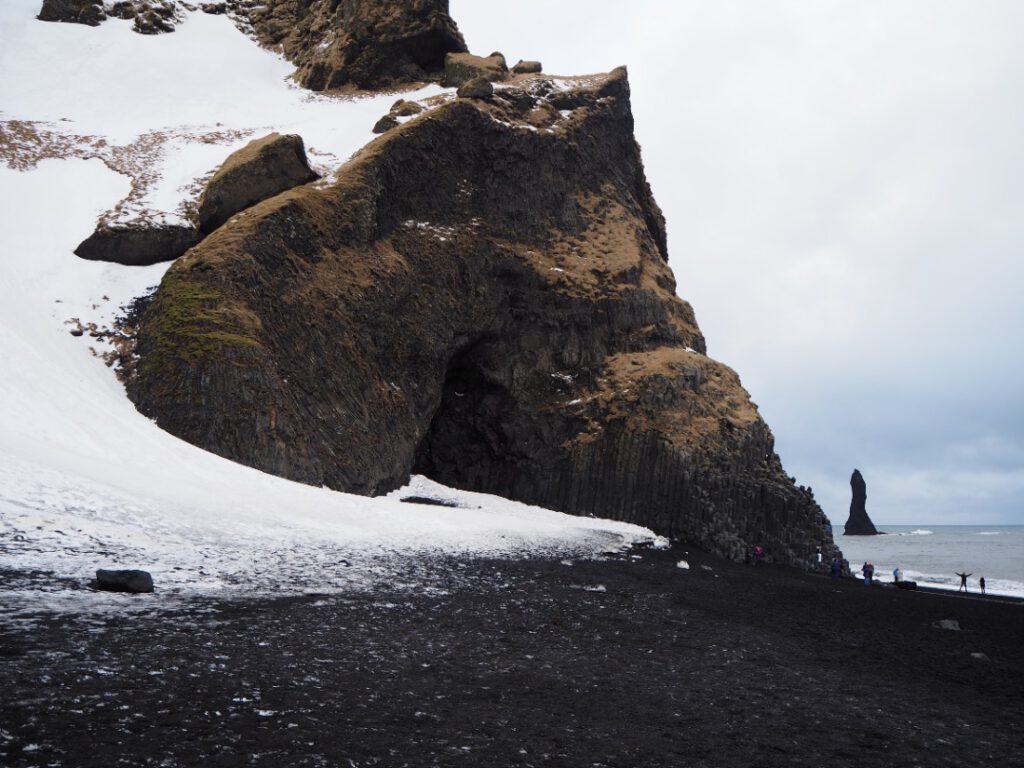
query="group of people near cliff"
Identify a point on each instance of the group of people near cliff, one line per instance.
(754, 556)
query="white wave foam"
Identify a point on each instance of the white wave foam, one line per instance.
(1006, 587)
(918, 532)
(989, 533)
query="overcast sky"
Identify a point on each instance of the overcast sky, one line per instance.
(844, 189)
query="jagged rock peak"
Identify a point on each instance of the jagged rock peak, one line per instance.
(481, 296)
(363, 44)
(859, 524)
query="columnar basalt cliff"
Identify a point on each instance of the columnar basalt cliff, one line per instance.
(482, 296)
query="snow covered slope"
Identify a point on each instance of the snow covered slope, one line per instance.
(87, 482)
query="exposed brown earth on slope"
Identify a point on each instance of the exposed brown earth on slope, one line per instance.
(483, 297)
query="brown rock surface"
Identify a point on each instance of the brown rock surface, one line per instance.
(262, 168)
(484, 302)
(460, 68)
(527, 68)
(477, 88)
(359, 43)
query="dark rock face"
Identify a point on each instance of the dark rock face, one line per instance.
(461, 68)
(859, 524)
(88, 12)
(359, 43)
(124, 581)
(262, 168)
(138, 244)
(487, 304)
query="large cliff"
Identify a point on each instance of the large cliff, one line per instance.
(483, 297)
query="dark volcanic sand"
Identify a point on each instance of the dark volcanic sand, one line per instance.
(521, 665)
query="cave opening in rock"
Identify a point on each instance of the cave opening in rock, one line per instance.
(469, 442)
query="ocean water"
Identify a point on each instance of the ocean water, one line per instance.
(933, 554)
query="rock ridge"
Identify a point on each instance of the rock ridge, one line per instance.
(482, 296)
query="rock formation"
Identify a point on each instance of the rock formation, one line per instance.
(359, 43)
(461, 68)
(859, 524)
(477, 88)
(262, 168)
(88, 12)
(527, 68)
(483, 297)
(150, 16)
(138, 244)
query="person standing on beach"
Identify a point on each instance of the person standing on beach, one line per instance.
(896, 575)
(963, 581)
(758, 555)
(981, 583)
(835, 568)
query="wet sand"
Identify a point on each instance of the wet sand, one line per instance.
(621, 662)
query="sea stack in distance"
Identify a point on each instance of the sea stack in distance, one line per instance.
(859, 524)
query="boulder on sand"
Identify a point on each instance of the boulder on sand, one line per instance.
(262, 168)
(124, 581)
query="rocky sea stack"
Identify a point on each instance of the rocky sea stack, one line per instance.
(859, 524)
(482, 296)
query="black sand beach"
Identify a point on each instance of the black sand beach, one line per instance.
(623, 662)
